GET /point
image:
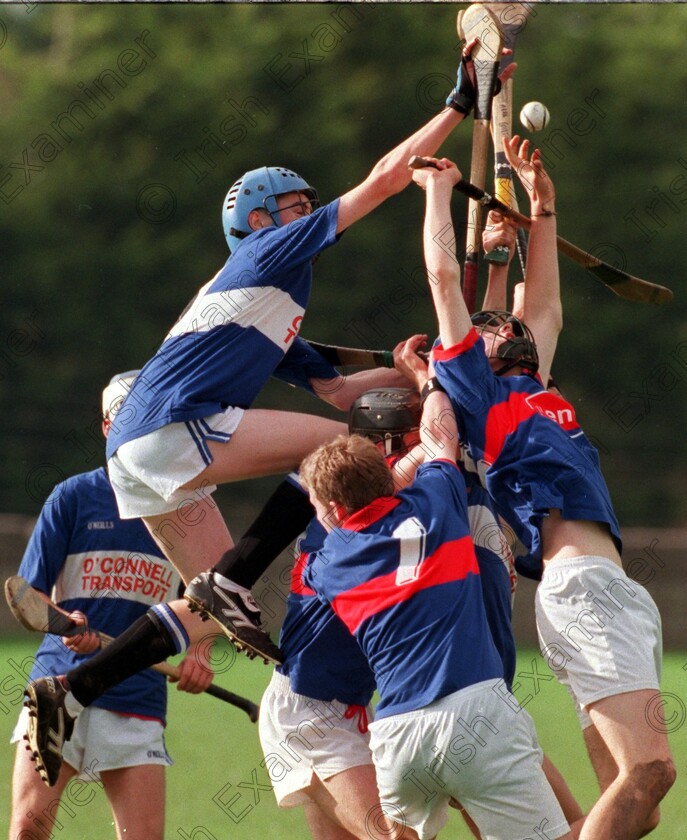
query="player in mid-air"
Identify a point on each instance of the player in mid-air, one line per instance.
(91, 560)
(323, 674)
(400, 571)
(599, 630)
(192, 398)
(187, 423)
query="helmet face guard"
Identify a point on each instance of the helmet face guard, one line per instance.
(385, 415)
(517, 349)
(258, 189)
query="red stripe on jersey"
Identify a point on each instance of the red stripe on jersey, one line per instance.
(452, 561)
(443, 354)
(366, 516)
(505, 417)
(297, 585)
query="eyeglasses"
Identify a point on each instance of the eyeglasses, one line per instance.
(306, 206)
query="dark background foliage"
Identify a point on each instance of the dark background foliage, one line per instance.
(110, 213)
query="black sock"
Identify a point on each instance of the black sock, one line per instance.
(285, 515)
(146, 642)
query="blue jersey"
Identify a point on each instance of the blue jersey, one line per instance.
(321, 658)
(497, 571)
(239, 330)
(496, 563)
(403, 577)
(526, 445)
(86, 558)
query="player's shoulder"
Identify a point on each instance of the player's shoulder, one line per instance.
(94, 480)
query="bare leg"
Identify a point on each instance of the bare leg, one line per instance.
(627, 809)
(351, 800)
(191, 549)
(34, 805)
(602, 761)
(194, 536)
(267, 443)
(570, 806)
(137, 798)
(348, 798)
(606, 770)
(322, 826)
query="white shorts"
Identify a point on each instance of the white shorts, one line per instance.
(301, 737)
(104, 740)
(147, 473)
(599, 631)
(475, 746)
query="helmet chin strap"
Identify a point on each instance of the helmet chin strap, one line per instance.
(509, 365)
(506, 367)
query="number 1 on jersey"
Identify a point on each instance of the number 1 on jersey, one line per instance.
(412, 536)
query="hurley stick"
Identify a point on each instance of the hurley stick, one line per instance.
(36, 612)
(510, 21)
(352, 356)
(475, 22)
(618, 281)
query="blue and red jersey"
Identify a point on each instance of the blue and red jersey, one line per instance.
(403, 577)
(525, 444)
(86, 558)
(497, 571)
(496, 563)
(321, 658)
(239, 330)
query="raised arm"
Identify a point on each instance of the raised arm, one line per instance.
(443, 271)
(438, 429)
(390, 175)
(541, 305)
(341, 391)
(499, 231)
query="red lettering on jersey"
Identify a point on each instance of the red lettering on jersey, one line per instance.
(293, 329)
(555, 408)
(505, 418)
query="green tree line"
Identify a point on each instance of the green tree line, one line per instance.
(124, 125)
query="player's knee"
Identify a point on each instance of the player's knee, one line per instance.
(665, 775)
(655, 779)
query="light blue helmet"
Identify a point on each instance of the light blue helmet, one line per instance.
(259, 188)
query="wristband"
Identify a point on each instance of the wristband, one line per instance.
(429, 387)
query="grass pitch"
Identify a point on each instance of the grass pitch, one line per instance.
(217, 788)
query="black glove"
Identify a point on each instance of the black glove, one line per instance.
(462, 97)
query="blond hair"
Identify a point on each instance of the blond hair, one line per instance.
(349, 470)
